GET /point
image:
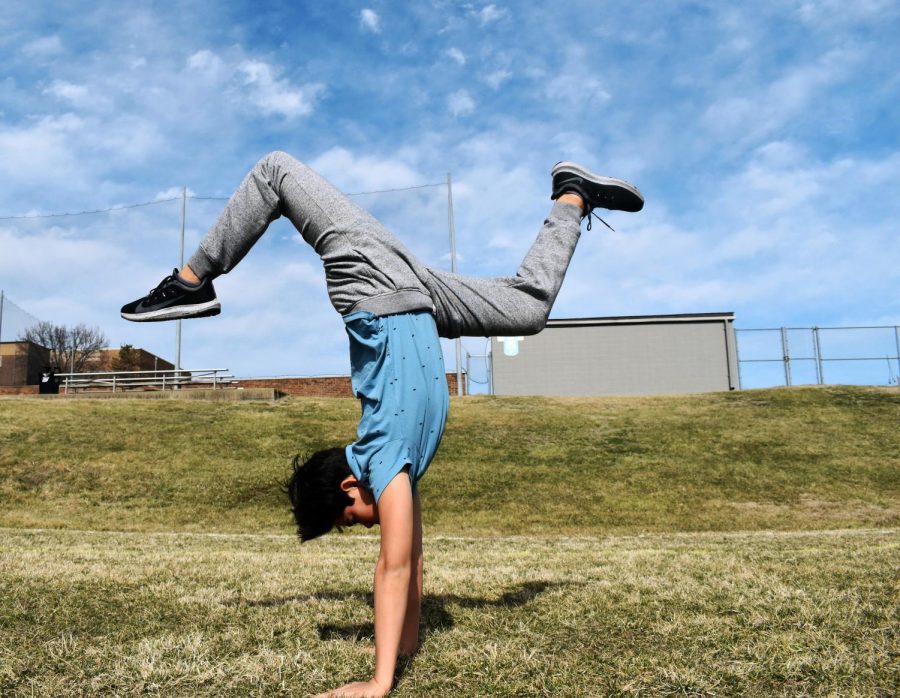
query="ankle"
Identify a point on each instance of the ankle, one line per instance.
(572, 198)
(187, 274)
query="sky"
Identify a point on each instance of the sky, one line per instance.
(764, 136)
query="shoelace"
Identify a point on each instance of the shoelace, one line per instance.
(161, 291)
(591, 213)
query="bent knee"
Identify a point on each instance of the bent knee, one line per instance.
(277, 157)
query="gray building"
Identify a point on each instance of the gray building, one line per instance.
(637, 355)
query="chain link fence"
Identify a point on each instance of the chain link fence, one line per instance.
(13, 319)
(863, 355)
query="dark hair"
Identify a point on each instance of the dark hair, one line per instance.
(314, 489)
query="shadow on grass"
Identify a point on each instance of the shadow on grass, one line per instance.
(436, 616)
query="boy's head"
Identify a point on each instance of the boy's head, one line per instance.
(324, 494)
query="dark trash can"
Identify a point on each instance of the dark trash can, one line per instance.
(49, 384)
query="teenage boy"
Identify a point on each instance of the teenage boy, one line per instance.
(394, 309)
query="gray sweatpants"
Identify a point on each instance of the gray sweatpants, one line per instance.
(367, 268)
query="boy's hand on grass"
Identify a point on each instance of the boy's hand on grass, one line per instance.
(358, 689)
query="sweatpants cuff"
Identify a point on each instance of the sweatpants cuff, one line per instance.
(203, 266)
(566, 211)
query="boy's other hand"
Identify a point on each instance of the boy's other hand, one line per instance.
(358, 689)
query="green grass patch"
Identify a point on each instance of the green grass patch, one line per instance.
(101, 613)
(574, 547)
(770, 459)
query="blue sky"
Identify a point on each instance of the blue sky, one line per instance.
(764, 136)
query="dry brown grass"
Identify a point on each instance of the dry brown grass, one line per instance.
(89, 613)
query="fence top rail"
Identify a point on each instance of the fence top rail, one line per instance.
(817, 327)
(167, 372)
(124, 380)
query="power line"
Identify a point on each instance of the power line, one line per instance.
(387, 191)
(88, 213)
(30, 216)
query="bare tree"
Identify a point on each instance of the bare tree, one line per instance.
(70, 348)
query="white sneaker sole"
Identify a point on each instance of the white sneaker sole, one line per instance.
(177, 312)
(600, 179)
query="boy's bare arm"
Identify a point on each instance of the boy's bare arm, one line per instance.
(393, 575)
(409, 640)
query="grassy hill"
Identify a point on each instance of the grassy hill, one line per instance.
(197, 598)
(806, 458)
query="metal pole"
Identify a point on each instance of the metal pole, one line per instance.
(452, 226)
(737, 359)
(468, 370)
(490, 357)
(786, 354)
(897, 340)
(1, 315)
(180, 266)
(820, 374)
(727, 357)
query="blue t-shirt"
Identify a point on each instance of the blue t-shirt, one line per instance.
(397, 372)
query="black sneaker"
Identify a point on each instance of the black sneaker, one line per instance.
(596, 190)
(174, 299)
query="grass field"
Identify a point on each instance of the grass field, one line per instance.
(728, 544)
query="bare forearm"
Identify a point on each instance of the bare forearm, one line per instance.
(409, 640)
(391, 594)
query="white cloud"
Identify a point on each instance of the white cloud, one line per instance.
(77, 95)
(172, 193)
(45, 47)
(456, 55)
(43, 150)
(461, 103)
(359, 173)
(496, 78)
(490, 13)
(760, 110)
(206, 61)
(831, 12)
(370, 20)
(573, 87)
(274, 96)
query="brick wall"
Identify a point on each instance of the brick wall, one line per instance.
(103, 360)
(322, 386)
(21, 363)
(18, 389)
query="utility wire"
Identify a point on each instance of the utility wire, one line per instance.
(197, 198)
(87, 213)
(387, 191)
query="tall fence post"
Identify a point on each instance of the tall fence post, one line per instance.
(451, 226)
(737, 358)
(820, 373)
(786, 354)
(180, 267)
(897, 340)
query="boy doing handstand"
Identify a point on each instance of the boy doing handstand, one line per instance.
(394, 309)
